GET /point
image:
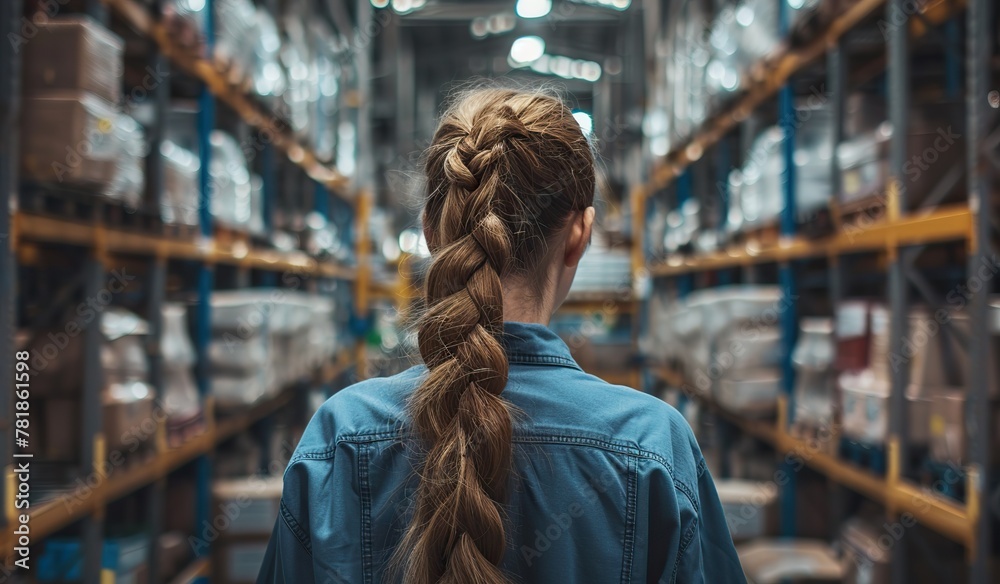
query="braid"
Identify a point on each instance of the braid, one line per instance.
(457, 532)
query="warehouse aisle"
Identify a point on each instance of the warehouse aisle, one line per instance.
(213, 225)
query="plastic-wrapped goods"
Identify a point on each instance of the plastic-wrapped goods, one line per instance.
(864, 405)
(813, 157)
(323, 125)
(322, 239)
(269, 78)
(231, 185)
(185, 21)
(303, 80)
(264, 339)
(756, 193)
(74, 54)
(179, 205)
(236, 36)
(686, 59)
(123, 354)
(180, 396)
(864, 559)
(694, 325)
(126, 406)
(757, 190)
(79, 140)
(815, 377)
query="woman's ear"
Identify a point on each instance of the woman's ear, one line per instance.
(580, 231)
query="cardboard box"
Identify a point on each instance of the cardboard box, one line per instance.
(74, 54)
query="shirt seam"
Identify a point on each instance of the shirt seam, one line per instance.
(293, 525)
(366, 515)
(618, 448)
(630, 513)
(686, 540)
(559, 360)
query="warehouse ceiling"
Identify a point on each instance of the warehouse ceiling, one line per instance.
(440, 45)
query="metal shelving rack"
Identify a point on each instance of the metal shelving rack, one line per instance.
(897, 237)
(21, 231)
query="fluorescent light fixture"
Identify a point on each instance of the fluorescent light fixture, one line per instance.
(586, 122)
(533, 8)
(616, 4)
(564, 67)
(527, 49)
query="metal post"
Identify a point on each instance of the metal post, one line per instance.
(10, 113)
(786, 277)
(980, 47)
(203, 309)
(154, 315)
(97, 10)
(896, 204)
(836, 82)
(91, 440)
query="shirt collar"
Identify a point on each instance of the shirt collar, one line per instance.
(535, 344)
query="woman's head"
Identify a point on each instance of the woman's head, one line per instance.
(510, 187)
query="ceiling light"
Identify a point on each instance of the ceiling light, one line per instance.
(527, 49)
(380, 3)
(533, 8)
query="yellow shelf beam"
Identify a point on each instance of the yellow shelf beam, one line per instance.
(773, 72)
(953, 223)
(199, 568)
(233, 94)
(939, 513)
(41, 229)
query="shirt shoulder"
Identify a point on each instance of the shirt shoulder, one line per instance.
(570, 402)
(369, 410)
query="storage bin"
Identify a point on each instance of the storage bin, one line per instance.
(242, 561)
(768, 561)
(74, 53)
(750, 507)
(61, 559)
(864, 403)
(251, 503)
(752, 393)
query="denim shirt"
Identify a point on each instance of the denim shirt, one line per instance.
(608, 483)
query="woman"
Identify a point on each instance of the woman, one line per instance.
(500, 460)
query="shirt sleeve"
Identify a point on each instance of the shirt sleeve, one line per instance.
(287, 559)
(718, 559)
